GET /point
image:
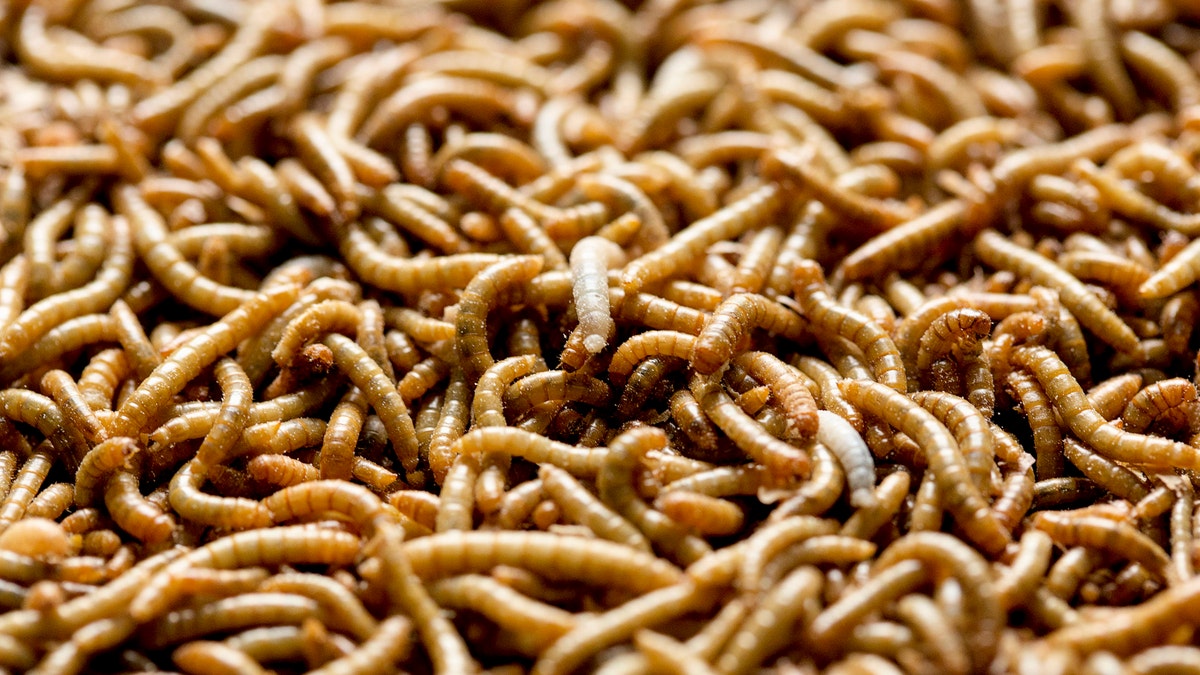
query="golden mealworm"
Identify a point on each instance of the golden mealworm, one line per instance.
(1107, 536)
(732, 320)
(753, 209)
(292, 544)
(228, 512)
(186, 362)
(782, 459)
(826, 315)
(1083, 420)
(960, 494)
(169, 266)
(471, 342)
(380, 392)
(615, 485)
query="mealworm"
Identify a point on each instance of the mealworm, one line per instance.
(591, 258)
(960, 494)
(999, 252)
(339, 603)
(355, 502)
(1108, 536)
(1166, 401)
(1089, 426)
(554, 385)
(292, 544)
(202, 656)
(782, 459)
(732, 320)
(456, 505)
(487, 407)
(35, 321)
(615, 485)
(185, 362)
(757, 207)
(169, 267)
(826, 315)
(228, 512)
(477, 298)
(382, 395)
(132, 513)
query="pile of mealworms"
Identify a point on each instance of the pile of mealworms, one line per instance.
(849, 336)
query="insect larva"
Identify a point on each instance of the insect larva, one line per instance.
(386, 646)
(1108, 536)
(899, 247)
(554, 385)
(1166, 401)
(203, 656)
(300, 544)
(948, 557)
(132, 512)
(241, 611)
(959, 330)
(591, 259)
(168, 265)
(380, 392)
(73, 406)
(487, 407)
(453, 421)
(96, 296)
(732, 320)
(422, 377)
(960, 494)
(196, 119)
(106, 457)
(692, 421)
(537, 624)
(338, 602)
(651, 343)
(878, 215)
(188, 360)
(1181, 524)
(456, 506)
(782, 459)
(830, 628)
(999, 252)
(157, 111)
(82, 60)
(889, 496)
(707, 516)
(933, 628)
(1083, 420)
(318, 151)
(280, 470)
(354, 502)
(445, 646)
(728, 223)
(615, 485)
(473, 306)
(411, 103)
(233, 416)
(580, 506)
(327, 316)
(588, 638)
(229, 512)
(336, 458)
(828, 316)
(73, 655)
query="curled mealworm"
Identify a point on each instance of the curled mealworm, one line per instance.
(831, 318)
(1083, 420)
(782, 459)
(732, 320)
(230, 512)
(471, 342)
